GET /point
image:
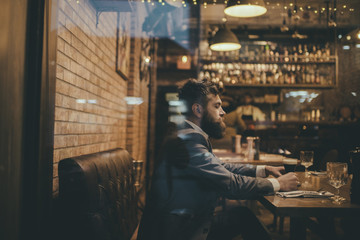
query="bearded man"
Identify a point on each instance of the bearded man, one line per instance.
(190, 178)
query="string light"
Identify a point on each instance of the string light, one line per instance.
(343, 9)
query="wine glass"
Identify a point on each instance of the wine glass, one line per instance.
(306, 159)
(337, 174)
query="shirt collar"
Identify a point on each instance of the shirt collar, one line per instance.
(196, 127)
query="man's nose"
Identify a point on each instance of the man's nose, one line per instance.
(222, 112)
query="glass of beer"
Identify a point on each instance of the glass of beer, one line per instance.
(290, 164)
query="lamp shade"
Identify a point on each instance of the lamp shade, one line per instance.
(245, 8)
(174, 3)
(225, 40)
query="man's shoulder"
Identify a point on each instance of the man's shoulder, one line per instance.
(187, 132)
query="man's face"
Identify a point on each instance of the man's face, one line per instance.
(212, 121)
(247, 100)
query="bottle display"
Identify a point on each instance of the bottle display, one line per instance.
(273, 64)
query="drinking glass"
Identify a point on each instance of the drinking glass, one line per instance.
(306, 159)
(289, 164)
(337, 174)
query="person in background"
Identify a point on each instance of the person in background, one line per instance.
(234, 125)
(189, 179)
(345, 114)
(234, 120)
(249, 112)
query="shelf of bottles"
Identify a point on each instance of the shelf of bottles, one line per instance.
(272, 66)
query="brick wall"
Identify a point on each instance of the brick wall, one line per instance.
(91, 113)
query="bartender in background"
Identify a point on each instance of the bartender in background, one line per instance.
(249, 113)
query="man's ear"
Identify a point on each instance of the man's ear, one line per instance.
(197, 110)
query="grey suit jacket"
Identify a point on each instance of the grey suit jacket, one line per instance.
(190, 178)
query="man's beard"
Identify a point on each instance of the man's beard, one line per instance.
(213, 129)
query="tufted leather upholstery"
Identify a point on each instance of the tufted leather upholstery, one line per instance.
(98, 196)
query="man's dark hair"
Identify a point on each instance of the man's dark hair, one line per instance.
(197, 91)
(248, 94)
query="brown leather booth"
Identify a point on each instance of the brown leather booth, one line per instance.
(97, 196)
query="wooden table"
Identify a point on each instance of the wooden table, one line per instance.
(300, 208)
(265, 158)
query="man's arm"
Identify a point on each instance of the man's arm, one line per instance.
(212, 173)
(238, 168)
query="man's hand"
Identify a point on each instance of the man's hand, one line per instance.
(288, 182)
(275, 171)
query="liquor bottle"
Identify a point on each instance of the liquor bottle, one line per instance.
(267, 52)
(295, 54)
(277, 53)
(263, 77)
(303, 75)
(300, 51)
(262, 53)
(327, 51)
(286, 54)
(307, 76)
(257, 77)
(318, 54)
(312, 74)
(306, 53)
(292, 78)
(246, 53)
(313, 53)
(317, 77)
(276, 77)
(257, 54)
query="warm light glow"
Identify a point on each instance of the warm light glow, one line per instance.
(184, 59)
(358, 35)
(253, 36)
(80, 100)
(245, 11)
(348, 37)
(134, 100)
(225, 46)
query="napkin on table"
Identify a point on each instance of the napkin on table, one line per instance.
(306, 194)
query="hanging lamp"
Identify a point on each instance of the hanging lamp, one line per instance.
(245, 8)
(225, 40)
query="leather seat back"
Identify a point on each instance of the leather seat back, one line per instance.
(98, 196)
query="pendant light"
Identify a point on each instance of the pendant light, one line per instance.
(245, 8)
(225, 40)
